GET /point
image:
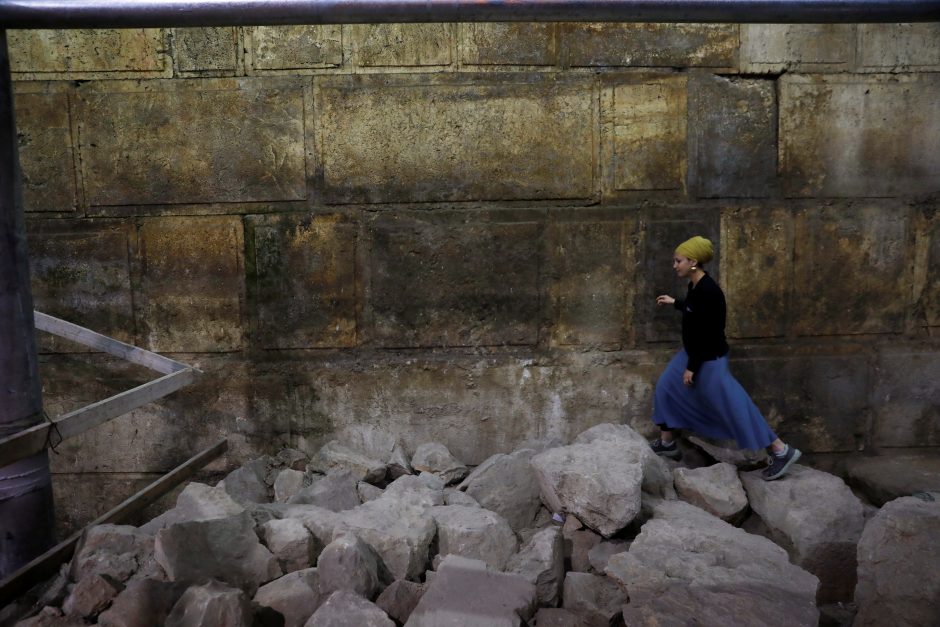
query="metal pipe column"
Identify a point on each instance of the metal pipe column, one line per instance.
(26, 512)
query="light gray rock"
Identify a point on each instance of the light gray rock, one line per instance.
(247, 483)
(540, 444)
(143, 603)
(347, 609)
(887, 477)
(211, 604)
(596, 598)
(197, 501)
(657, 476)
(507, 485)
(336, 491)
(115, 551)
(600, 554)
(475, 533)
(400, 532)
(368, 492)
(558, 617)
(817, 518)
(291, 543)
(716, 489)
(226, 549)
(599, 482)
(399, 599)
(378, 444)
(578, 544)
(541, 561)
(435, 458)
(348, 563)
(453, 496)
(729, 453)
(91, 595)
(295, 596)
(334, 457)
(467, 593)
(318, 520)
(288, 483)
(416, 490)
(697, 569)
(898, 574)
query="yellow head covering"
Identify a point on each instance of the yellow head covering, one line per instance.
(697, 248)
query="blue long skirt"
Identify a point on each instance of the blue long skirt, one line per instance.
(716, 406)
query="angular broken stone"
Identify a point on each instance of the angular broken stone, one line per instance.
(225, 549)
(467, 593)
(578, 545)
(657, 477)
(115, 551)
(247, 483)
(453, 496)
(887, 477)
(716, 489)
(336, 491)
(213, 604)
(51, 617)
(596, 598)
(143, 603)
(898, 575)
(475, 533)
(599, 482)
(817, 518)
(400, 598)
(542, 562)
(292, 459)
(295, 596)
(91, 595)
(318, 520)
(558, 617)
(347, 609)
(698, 569)
(415, 490)
(378, 444)
(729, 453)
(601, 553)
(288, 483)
(507, 485)
(197, 501)
(333, 457)
(435, 458)
(291, 543)
(348, 563)
(368, 492)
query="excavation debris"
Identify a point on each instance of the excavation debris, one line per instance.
(359, 533)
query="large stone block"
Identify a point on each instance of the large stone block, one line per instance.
(899, 47)
(446, 140)
(757, 245)
(507, 43)
(852, 270)
(455, 284)
(385, 45)
(650, 45)
(45, 150)
(733, 133)
(86, 53)
(295, 47)
(201, 49)
(591, 293)
(774, 48)
(304, 281)
(192, 142)
(647, 149)
(871, 135)
(906, 391)
(191, 285)
(81, 273)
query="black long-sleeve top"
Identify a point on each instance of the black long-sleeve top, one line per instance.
(703, 322)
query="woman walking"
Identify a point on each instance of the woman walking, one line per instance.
(697, 391)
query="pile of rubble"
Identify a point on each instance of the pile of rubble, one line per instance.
(361, 534)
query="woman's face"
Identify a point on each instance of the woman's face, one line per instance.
(682, 265)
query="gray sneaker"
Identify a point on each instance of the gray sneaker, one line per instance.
(779, 466)
(666, 449)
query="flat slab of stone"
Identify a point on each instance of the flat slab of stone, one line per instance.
(887, 477)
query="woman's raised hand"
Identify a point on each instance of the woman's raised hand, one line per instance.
(665, 300)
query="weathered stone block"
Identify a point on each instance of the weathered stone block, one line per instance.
(528, 139)
(382, 45)
(650, 45)
(296, 47)
(45, 144)
(198, 49)
(852, 270)
(847, 136)
(507, 43)
(757, 244)
(84, 51)
(80, 272)
(305, 281)
(733, 132)
(899, 47)
(773, 48)
(590, 293)
(906, 392)
(192, 285)
(448, 285)
(202, 142)
(649, 134)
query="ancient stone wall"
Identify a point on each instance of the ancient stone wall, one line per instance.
(456, 232)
